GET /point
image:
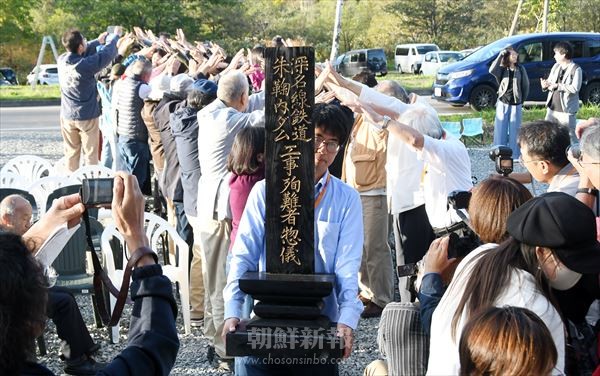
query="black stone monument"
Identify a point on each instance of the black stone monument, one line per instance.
(288, 322)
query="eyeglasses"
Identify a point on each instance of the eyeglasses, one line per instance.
(330, 146)
(522, 161)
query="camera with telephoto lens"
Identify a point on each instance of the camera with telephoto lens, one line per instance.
(96, 192)
(502, 157)
(462, 238)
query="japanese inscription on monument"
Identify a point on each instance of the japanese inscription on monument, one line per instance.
(290, 160)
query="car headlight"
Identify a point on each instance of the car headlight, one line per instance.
(441, 76)
(460, 74)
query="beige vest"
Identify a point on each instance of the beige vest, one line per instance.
(367, 153)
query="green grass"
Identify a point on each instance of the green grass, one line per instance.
(411, 82)
(529, 114)
(26, 93)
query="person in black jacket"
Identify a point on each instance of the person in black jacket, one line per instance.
(153, 342)
(184, 130)
(513, 89)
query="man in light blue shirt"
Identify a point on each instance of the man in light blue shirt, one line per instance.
(338, 238)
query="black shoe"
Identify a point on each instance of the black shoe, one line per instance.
(92, 350)
(210, 354)
(83, 366)
(371, 310)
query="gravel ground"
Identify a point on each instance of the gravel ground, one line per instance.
(191, 359)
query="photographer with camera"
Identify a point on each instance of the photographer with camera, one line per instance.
(400, 336)
(490, 205)
(552, 243)
(543, 144)
(153, 342)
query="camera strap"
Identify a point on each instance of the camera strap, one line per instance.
(100, 278)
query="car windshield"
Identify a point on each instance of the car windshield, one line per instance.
(52, 70)
(7, 73)
(376, 55)
(450, 57)
(488, 51)
(425, 49)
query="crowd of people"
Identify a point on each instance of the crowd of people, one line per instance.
(523, 300)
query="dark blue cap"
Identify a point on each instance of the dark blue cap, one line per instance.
(205, 86)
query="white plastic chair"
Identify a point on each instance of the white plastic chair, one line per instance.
(177, 270)
(42, 188)
(92, 172)
(452, 127)
(11, 180)
(30, 167)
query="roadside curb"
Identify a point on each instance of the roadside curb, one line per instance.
(30, 103)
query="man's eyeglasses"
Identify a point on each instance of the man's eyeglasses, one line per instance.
(522, 161)
(330, 146)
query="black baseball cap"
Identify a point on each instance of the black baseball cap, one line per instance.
(562, 223)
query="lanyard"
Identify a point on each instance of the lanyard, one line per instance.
(322, 193)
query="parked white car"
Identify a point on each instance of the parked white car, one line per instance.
(48, 75)
(409, 57)
(434, 60)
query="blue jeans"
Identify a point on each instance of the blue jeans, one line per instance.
(506, 126)
(254, 366)
(134, 158)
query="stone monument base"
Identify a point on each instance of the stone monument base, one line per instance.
(288, 322)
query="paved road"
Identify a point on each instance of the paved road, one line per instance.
(38, 119)
(46, 118)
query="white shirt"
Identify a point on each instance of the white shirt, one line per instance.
(217, 127)
(403, 168)
(520, 292)
(566, 181)
(448, 168)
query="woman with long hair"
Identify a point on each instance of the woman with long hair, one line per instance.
(490, 205)
(552, 243)
(513, 88)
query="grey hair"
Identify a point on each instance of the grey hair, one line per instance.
(393, 89)
(140, 67)
(8, 206)
(231, 86)
(423, 120)
(590, 141)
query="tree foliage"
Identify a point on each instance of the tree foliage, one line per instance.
(452, 24)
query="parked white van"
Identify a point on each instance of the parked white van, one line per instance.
(409, 57)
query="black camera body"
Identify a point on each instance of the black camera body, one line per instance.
(459, 199)
(97, 192)
(462, 238)
(502, 157)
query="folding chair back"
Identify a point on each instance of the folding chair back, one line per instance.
(473, 128)
(452, 127)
